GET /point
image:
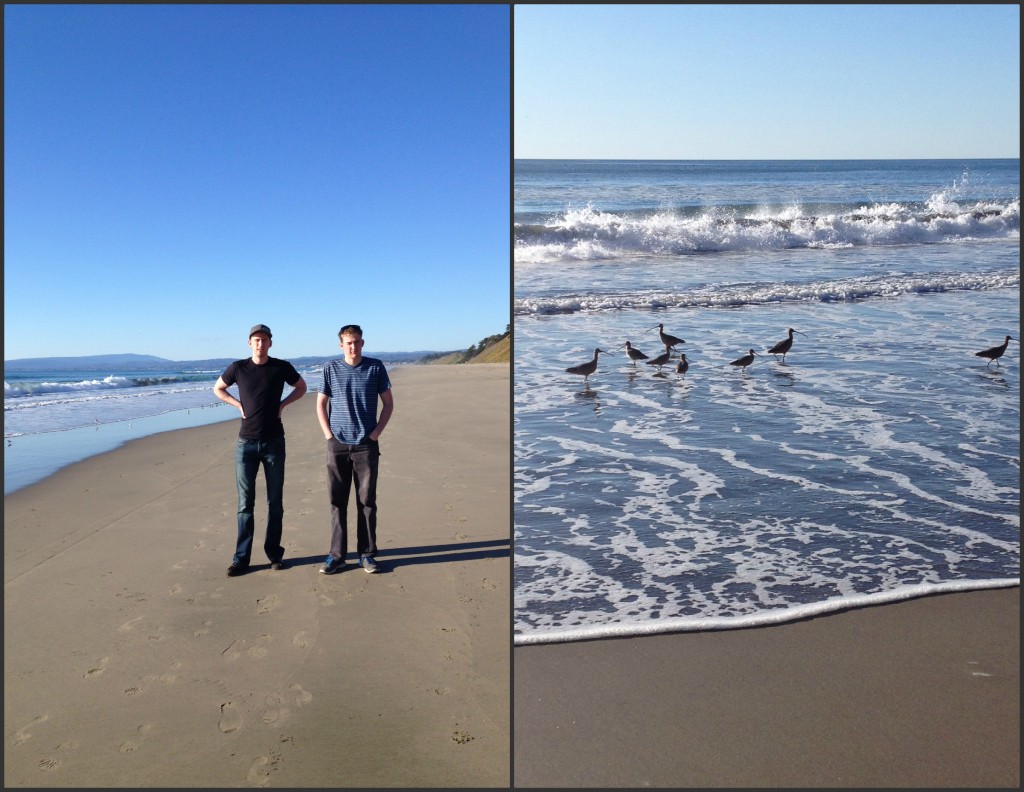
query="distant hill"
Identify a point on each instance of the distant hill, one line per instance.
(88, 362)
(493, 349)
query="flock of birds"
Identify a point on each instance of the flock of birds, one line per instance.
(670, 342)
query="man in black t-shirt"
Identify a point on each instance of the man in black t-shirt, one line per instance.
(261, 380)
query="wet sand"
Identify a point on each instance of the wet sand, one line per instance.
(922, 693)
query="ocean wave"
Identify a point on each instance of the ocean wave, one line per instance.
(593, 234)
(16, 389)
(748, 294)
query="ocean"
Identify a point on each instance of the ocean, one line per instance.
(56, 416)
(880, 460)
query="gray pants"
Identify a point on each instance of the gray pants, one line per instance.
(347, 465)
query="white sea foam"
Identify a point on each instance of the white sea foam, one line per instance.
(762, 618)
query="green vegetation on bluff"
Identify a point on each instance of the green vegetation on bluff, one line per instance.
(493, 349)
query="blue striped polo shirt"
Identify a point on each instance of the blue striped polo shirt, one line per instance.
(353, 392)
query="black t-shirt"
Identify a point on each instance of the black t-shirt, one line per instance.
(259, 390)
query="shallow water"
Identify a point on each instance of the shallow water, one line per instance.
(881, 458)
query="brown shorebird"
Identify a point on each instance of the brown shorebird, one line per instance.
(634, 354)
(586, 369)
(995, 352)
(661, 359)
(745, 361)
(668, 340)
(784, 345)
(682, 365)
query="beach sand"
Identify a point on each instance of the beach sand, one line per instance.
(131, 660)
(921, 693)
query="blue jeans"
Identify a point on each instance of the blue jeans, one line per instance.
(248, 456)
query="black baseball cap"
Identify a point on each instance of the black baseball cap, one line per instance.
(260, 329)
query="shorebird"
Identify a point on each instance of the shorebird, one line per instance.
(586, 369)
(784, 345)
(745, 361)
(668, 340)
(995, 352)
(661, 359)
(682, 365)
(634, 354)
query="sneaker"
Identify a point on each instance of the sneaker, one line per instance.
(278, 564)
(235, 570)
(367, 563)
(332, 565)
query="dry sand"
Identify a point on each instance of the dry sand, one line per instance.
(131, 660)
(922, 693)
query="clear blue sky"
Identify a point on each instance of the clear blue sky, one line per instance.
(766, 81)
(174, 174)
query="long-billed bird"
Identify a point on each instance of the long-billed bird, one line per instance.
(634, 354)
(588, 368)
(745, 361)
(668, 340)
(784, 345)
(682, 365)
(661, 359)
(995, 352)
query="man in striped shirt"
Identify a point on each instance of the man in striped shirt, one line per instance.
(346, 407)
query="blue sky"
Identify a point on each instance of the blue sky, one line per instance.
(175, 174)
(766, 81)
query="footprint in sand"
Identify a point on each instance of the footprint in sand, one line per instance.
(230, 719)
(129, 625)
(276, 712)
(203, 630)
(48, 764)
(23, 733)
(302, 697)
(261, 649)
(301, 639)
(231, 653)
(169, 677)
(130, 745)
(489, 585)
(176, 589)
(267, 604)
(98, 669)
(260, 770)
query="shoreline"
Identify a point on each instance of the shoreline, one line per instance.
(919, 693)
(36, 456)
(132, 660)
(761, 619)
